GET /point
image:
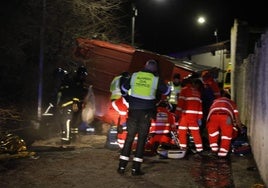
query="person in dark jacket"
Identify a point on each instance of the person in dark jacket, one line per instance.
(70, 99)
(142, 88)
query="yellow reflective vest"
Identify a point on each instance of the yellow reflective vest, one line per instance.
(115, 88)
(175, 91)
(143, 85)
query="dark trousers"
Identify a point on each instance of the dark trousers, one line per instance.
(69, 121)
(138, 121)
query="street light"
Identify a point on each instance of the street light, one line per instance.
(202, 20)
(134, 14)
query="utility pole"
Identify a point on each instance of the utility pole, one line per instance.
(134, 14)
(216, 35)
(41, 62)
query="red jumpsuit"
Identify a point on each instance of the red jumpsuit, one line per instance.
(117, 112)
(161, 126)
(223, 115)
(120, 106)
(117, 116)
(189, 109)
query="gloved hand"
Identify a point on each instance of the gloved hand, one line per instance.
(243, 130)
(199, 122)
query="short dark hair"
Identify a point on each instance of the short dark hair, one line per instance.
(125, 74)
(151, 65)
(177, 75)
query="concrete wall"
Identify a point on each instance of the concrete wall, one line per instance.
(218, 59)
(250, 91)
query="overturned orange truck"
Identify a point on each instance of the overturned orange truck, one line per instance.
(105, 60)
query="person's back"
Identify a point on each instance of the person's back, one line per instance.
(225, 104)
(73, 87)
(141, 90)
(222, 120)
(209, 81)
(73, 90)
(191, 107)
(144, 86)
(189, 111)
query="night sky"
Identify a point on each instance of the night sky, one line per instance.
(168, 26)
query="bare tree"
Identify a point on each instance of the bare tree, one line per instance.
(65, 20)
(102, 19)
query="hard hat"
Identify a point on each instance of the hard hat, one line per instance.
(60, 72)
(81, 74)
(151, 65)
(82, 71)
(61, 75)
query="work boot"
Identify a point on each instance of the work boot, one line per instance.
(199, 155)
(65, 142)
(223, 159)
(136, 172)
(122, 166)
(121, 170)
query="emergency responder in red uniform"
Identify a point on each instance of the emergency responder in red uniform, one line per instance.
(162, 125)
(142, 89)
(117, 112)
(208, 80)
(223, 119)
(209, 92)
(70, 103)
(120, 106)
(160, 129)
(189, 111)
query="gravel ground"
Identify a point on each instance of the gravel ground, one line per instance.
(87, 163)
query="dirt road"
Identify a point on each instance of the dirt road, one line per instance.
(89, 164)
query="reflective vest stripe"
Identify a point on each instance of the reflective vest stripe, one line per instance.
(175, 90)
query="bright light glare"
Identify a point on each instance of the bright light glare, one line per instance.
(201, 20)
